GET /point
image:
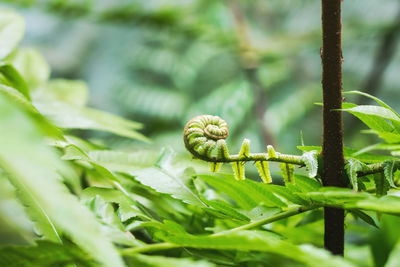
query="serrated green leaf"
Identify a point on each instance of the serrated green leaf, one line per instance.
(352, 167)
(310, 158)
(72, 152)
(287, 173)
(247, 194)
(289, 193)
(305, 184)
(25, 145)
(170, 179)
(45, 253)
(44, 224)
(257, 241)
(381, 184)
(128, 208)
(111, 225)
(263, 170)
(389, 167)
(238, 170)
(225, 209)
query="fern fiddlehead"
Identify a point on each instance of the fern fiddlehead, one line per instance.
(204, 137)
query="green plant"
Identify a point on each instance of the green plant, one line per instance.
(87, 204)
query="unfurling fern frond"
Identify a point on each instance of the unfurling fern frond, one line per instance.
(205, 135)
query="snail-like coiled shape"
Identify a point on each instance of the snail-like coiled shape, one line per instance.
(204, 137)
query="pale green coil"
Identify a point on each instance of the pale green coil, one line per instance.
(204, 137)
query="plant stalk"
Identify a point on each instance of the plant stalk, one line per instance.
(279, 216)
(332, 143)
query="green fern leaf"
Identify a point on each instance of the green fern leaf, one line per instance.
(238, 170)
(24, 145)
(381, 184)
(287, 173)
(311, 161)
(263, 170)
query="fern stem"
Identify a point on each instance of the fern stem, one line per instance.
(280, 216)
(286, 158)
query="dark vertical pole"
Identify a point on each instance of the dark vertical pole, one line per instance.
(332, 144)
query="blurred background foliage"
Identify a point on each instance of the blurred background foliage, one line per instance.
(254, 63)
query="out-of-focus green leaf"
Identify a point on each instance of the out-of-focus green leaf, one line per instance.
(349, 199)
(17, 97)
(125, 162)
(394, 257)
(127, 207)
(170, 179)
(11, 31)
(73, 92)
(14, 79)
(365, 217)
(45, 253)
(111, 225)
(161, 261)
(72, 117)
(224, 209)
(31, 167)
(231, 102)
(381, 184)
(32, 66)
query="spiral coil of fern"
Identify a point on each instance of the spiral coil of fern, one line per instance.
(204, 136)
